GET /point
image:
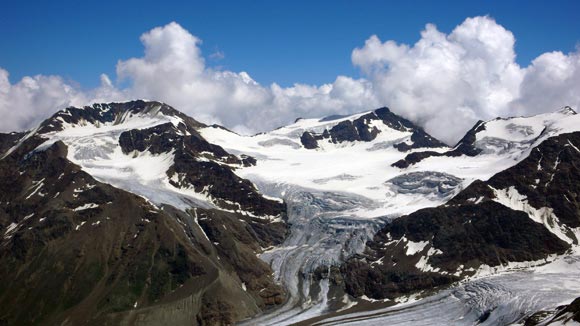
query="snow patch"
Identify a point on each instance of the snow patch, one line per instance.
(10, 230)
(36, 186)
(415, 247)
(423, 263)
(80, 225)
(85, 207)
(511, 198)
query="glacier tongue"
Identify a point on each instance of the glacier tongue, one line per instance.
(502, 299)
(323, 233)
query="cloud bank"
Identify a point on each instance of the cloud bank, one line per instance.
(443, 82)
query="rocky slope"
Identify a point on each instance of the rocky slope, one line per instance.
(564, 315)
(98, 252)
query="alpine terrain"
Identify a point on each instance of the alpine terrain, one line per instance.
(135, 214)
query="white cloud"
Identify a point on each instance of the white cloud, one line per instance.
(178, 75)
(444, 82)
(174, 71)
(24, 103)
(552, 80)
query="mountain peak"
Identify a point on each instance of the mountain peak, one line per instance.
(114, 114)
(364, 126)
(567, 110)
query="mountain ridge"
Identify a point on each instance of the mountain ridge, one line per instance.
(286, 222)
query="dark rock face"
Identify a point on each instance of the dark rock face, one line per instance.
(572, 310)
(343, 131)
(308, 140)
(228, 190)
(165, 137)
(360, 130)
(549, 177)
(362, 279)
(97, 255)
(419, 139)
(468, 235)
(561, 316)
(466, 146)
(8, 140)
(472, 229)
(413, 158)
(489, 233)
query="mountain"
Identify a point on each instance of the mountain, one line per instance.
(365, 127)
(522, 216)
(524, 213)
(508, 137)
(336, 153)
(432, 245)
(123, 214)
(134, 213)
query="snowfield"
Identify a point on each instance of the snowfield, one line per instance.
(364, 168)
(96, 149)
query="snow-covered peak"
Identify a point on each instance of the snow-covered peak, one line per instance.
(147, 146)
(155, 151)
(125, 115)
(316, 125)
(340, 131)
(515, 134)
(352, 154)
(567, 111)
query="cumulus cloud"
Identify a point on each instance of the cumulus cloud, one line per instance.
(173, 70)
(26, 103)
(23, 103)
(552, 80)
(444, 82)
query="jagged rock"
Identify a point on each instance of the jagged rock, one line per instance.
(360, 129)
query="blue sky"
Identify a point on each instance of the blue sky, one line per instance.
(285, 42)
(262, 64)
